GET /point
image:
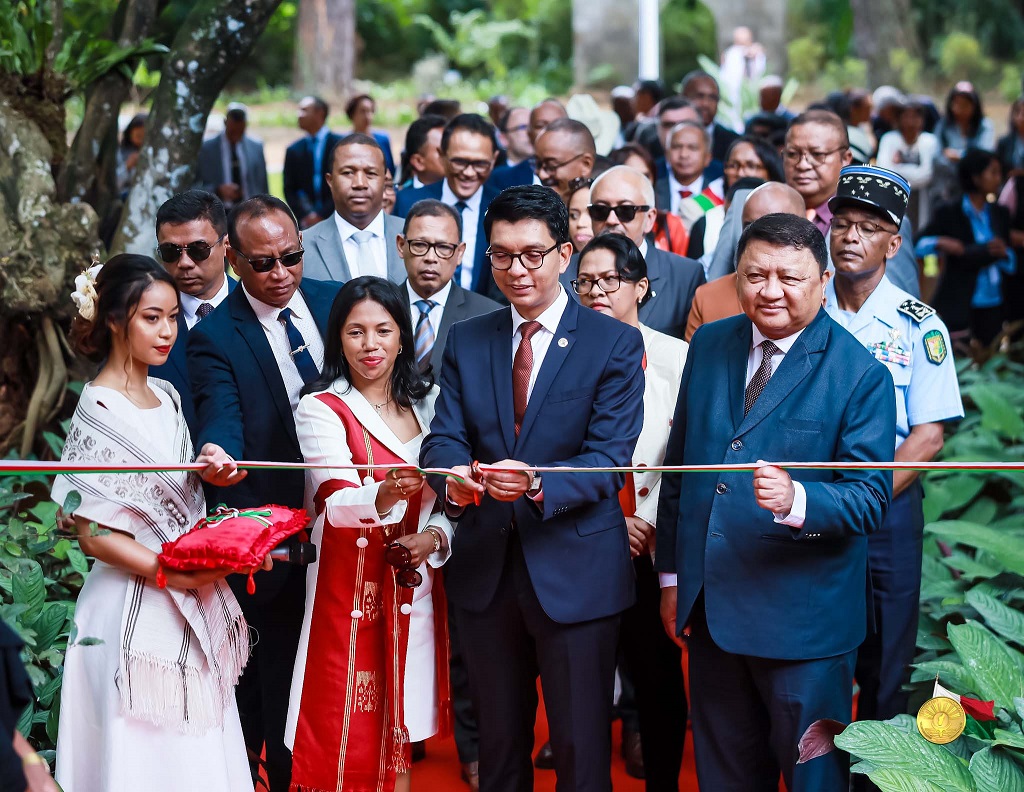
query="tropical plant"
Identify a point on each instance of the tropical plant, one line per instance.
(476, 43)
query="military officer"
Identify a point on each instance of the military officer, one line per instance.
(906, 336)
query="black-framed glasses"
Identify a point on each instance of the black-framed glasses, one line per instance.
(400, 557)
(607, 284)
(530, 259)
(865, 230)
(198, 251)
(267, 264)
(549, 166)
(579, 183)
(795, 156)
(480, 166)
(517, 128)
(420, 247)
(625, 212)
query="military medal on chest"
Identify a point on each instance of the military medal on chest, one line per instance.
(890, 350)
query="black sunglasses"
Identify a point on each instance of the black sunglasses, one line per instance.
(197, 251)
(625, 212)
(267, 264)
(400, 557)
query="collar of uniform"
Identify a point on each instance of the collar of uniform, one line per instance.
(549, 319)
(450, 198)
(881, 304)
(441, 297)
(784, 344)
(346, 229)
(267, 314)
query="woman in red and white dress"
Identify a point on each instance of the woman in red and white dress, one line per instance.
(371, 675)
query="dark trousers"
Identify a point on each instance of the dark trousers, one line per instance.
(466, 730)
(749, 713)
(262, 691)
(883, 661)
(505, 647)
(654, 664)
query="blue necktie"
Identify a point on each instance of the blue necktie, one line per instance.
(462, 206)
(318, 166)
(424, 334)
(300, 349)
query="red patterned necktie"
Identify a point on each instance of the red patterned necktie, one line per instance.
(522, 367)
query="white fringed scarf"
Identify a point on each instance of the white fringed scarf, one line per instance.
(181, 651)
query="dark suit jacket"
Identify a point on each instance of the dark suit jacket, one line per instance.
(585, 410)
(242, 405)
(298, 178)
(483, 283)
(769, 590)
(721, 138)
(461, 305)
(512, 175)
(956, 284)
(662, 187)
(175, 368)
(210, 169)
(1004, 150)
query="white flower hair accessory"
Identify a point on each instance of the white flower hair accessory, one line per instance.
(84, 296)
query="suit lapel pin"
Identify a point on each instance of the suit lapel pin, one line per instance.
(562, 342)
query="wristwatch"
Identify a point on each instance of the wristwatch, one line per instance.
(535, 485)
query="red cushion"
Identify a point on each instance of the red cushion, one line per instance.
(234, 539)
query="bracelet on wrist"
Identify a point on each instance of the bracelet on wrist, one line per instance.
(436, 536)
(32, 759)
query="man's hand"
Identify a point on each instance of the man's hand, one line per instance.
(641, 536)
(997, 247)
(509, 484)
(668, 613)
(462, 493)
(221, 470)
(773, 489)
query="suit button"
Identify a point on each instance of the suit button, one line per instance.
(736, 445)
(643, 492)
(721, 489)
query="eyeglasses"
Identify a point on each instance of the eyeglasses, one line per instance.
(748, 166)
(400, 557)
(865, 230)
(579, 183)
(530, 259)
(625, 212)
(607, 284)
(519, 128)
(480, 166)
(548, 166)
(197, 251)
(795, 156)
(420, 247)
(267, 264)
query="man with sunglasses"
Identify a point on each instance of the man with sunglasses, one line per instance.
(622, 202)
(469, 147)
(565, 152)
(817, 149)
(190, 230)
(248, 362)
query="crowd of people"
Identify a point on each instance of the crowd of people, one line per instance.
(511, 301)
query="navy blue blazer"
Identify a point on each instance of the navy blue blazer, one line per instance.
(483, 283)
(175, 370)
(298, 178)
(586, 409)
(512, 175)
(771, 591)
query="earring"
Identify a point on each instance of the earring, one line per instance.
(400, 348)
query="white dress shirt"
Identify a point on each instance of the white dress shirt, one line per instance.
(434, 317)
(674, 186)
(470, 222)
(190, 304)
(302, 318)
(542, 338)
(358, 262)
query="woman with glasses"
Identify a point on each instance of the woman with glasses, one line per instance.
(612, 278)
(371, 675)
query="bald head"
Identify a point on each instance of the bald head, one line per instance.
(543, 114)
(769, 198)
(623, 186)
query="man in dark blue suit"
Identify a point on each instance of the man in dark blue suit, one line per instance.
(540, 570)
(191, 228)
(248, 362)
(772, 568)
(469, 148)
(305, 163)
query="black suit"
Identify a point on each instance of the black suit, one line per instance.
(242, 405)
(298, 178)
(721, 138)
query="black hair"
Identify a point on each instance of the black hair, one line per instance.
(674, 103)
(972, 164)
(785, 230)
(839, 103)
(429, 207)
(692, 76)
(765, 152)
(193, 205)
(119, 287)
(530, 202)
(138, 120)
(236, 114)
(353, 104)
(446, 108)
(257, 206)
(629, 261)
(320, 105)
(470, 122)
(824, 118)
(582, 137)
(408, 384)
(416, 138)
(352, 139)
(746, 183)
(653, 88)
(976, 117)
(620, 155)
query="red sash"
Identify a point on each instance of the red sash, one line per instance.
(350, 735)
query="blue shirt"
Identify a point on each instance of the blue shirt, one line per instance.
(318, 142)
(926, 391)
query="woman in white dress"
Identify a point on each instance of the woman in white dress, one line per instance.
(371, 672)
(151, 705)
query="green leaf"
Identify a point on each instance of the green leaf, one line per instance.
(995, 771)
(78, 561)
(1006, 621)
(72, 502)
(895, 751)
(997, 413)
(970, 567)
(952, 675)
(1006, 548)
(46, 693)
(49, 625)
(29, 589)
(1009, 739)
(993, 668)
(25, 721)
(889, 780)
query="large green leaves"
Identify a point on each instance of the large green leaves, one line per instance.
(997, 411)
(889, 780)
(899, 754)
(992, 666)
(1003, 619)
(1004, 547)
(29, 589)
(995, 771)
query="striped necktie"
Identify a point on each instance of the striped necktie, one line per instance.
(424, 334)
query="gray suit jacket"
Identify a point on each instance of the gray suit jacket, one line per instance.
(461, 304)
(210, 169)
(325, 255)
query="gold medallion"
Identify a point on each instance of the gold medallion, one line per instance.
(941, 720)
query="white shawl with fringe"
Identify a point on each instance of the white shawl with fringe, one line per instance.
(181, 651)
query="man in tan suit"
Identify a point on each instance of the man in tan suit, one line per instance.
(717, 299)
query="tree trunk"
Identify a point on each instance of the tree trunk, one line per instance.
(880, 26)
(325, 48)
(215, 37)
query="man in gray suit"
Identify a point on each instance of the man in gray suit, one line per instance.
(358, 238)
(622, 202)
(231, 164)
